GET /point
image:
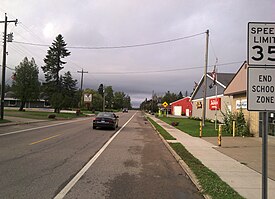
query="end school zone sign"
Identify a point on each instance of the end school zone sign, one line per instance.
(261, 44)
(261, 89)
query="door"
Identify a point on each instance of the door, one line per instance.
(177, 110)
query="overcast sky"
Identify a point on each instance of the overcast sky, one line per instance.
(137, 71)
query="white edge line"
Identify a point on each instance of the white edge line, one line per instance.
(41, 127)
(69, 186)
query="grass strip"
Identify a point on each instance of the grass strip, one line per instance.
(38, 114)
(192, 127)
(210, 182)
(161, 130)
(4, 121)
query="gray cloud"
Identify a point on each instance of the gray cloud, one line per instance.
(115, 23)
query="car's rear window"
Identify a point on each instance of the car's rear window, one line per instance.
(105, 115)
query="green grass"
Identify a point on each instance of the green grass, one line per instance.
(210, 182)
(163, 132)
(4, 121)
(192, 127)
(38, 115)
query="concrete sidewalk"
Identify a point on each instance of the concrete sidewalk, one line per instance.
(246, 181)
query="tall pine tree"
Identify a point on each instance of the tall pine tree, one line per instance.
(53, 66)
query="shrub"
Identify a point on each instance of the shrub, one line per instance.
(175, 123)
(51, 116)
(241, 125)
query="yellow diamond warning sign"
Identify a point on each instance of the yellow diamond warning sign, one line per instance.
(165, 104)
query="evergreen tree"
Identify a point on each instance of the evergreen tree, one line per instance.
(186, 93)
(180, 96)
(53, 66)
(100, 90)
(26, 84)
(69, 91)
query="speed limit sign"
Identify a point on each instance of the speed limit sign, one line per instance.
(261, 44)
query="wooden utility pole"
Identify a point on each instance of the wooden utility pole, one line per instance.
(4, 63)
(205, 79)
(81, 84)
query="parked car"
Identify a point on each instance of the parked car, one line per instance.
(125, 110)
(105, 120)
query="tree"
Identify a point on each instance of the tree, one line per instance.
(69, 91)
(26, 85)
(127, 102)
(180, 96)
(53, 66)
(186, 93)
(100, 90)
(97, 101)
(109, 97)
(118, 100)
(169, 97)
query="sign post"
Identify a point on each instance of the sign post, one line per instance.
(165, 104)
(261, 80)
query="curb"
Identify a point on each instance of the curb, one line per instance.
(183, 165)
(18, 123)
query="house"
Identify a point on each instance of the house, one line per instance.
(182, 107)
(216, 102)
(11, 101)
(237, 89)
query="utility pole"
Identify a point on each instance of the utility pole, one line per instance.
(4, 63)
(81, 85)
(205, 79)
(103, 106)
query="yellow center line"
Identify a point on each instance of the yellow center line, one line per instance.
(44, 139)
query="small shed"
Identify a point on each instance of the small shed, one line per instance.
(182, 107)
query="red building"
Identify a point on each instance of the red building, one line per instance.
(182, 107)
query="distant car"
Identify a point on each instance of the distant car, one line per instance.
(105, 120)
(125, 110)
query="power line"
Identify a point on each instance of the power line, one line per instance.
(160, 71)
(116, 47)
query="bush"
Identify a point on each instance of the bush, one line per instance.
(241, 125)
(51, 116)
(175, 123)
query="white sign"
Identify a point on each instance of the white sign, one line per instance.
(241, 104)
(87, 97)
(261, 89)
(261, 44)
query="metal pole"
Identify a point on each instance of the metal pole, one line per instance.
(216, 106)
(264, 155)
(4, 68)
(205, 78)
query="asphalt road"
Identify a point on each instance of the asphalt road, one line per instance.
(39, 163)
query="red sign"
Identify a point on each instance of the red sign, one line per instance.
(215, 104)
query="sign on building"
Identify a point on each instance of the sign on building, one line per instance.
(87, 97)
(215, 103)
(241, 104)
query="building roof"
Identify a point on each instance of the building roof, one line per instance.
(238, 84)
(179, 100)
(223, 79)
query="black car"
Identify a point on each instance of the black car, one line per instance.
(105, 120)
(125, 110)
